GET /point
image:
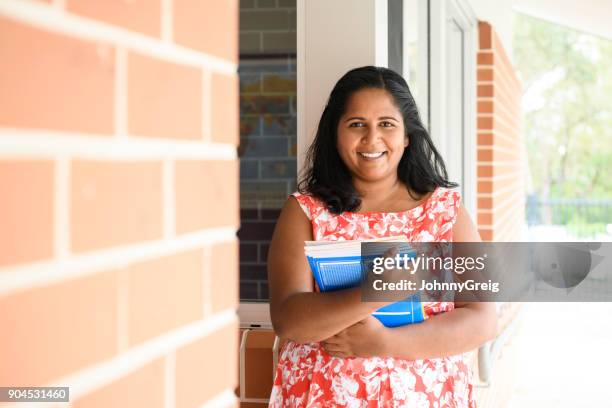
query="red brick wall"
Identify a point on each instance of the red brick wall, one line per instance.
(119, 186)
(501, 158)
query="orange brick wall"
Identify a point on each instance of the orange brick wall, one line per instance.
(119, 209)
(501, 157)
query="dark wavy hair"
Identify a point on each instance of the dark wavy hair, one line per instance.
(325, 175)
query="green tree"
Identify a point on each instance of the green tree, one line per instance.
(567, 78)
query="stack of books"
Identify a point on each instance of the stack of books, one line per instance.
(341, 264)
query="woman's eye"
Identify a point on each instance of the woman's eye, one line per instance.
(356, 124)
(386, 124)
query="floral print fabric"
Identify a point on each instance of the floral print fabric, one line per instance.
(307, 376)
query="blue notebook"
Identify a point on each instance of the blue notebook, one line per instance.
(345, 271)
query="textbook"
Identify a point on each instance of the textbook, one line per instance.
(339, 264)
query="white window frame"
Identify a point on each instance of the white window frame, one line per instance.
(460, 11)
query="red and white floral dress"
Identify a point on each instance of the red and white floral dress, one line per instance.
(307, 376)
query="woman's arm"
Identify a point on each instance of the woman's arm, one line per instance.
(463, 329)
(298, 313)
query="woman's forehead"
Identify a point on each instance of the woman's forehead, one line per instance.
(371, 101)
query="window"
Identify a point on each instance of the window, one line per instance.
(267, 151)
(452, 85)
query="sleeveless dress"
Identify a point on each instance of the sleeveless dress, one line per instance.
(307, 376)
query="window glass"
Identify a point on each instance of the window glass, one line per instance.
(267, 151)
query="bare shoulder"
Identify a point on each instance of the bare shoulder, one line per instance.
(293, 216)
(288, 270)
(464, 229)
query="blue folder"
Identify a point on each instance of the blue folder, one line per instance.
(334, 273)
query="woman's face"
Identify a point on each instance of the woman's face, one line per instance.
(371, 137)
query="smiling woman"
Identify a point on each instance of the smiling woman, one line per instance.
(372, 172)
(372, 144)
(370, 111)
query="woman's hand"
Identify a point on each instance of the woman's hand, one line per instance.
(366, 338)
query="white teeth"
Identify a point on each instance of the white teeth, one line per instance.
(372, 155)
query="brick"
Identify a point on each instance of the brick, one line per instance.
(260, 20)
(286, 83)
(264, 293)
(250, 43)
(279, 42)
(210, 27)
(164, 294)
(485, 219)
(256, 231)
(263, 252)
(249, 290)
(286, 3)
(270, 213)
(485, 58)
(250, 83)
(485, 74)
(265, 104)
(224, 276)
(279, 125)
(261, 66)
(141, 388)
(142, 16)
(485, 155)
(206, 194)
(485, 186)
(485, 91)
(250, 126)
(268, 193)
(266, 3)
(278, 169)
(249, 169)
(254, 272)
(485, 107)
(486, 235)
(55, 82)
(164, 99)
(485, 203)
(484, 35)
(485, 139)
(55, 330)
(224, 109)
(263, 147)
(194, 364)
(248, 252)
(249, 213)
(114, 203)
(26, 211)
(485, 171)
(485, 123)
(247, 4)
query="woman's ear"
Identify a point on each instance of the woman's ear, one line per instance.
(406, 141)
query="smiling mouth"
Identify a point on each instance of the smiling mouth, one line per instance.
(371, 156)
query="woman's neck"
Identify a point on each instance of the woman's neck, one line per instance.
(379, 190)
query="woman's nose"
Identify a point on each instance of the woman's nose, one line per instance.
(371, 134)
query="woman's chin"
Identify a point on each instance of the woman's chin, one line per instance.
(373, 176)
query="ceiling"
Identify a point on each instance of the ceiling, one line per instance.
(591, 16)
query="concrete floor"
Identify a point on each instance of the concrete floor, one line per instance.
(564, 356)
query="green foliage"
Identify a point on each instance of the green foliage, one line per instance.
(567, 78)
